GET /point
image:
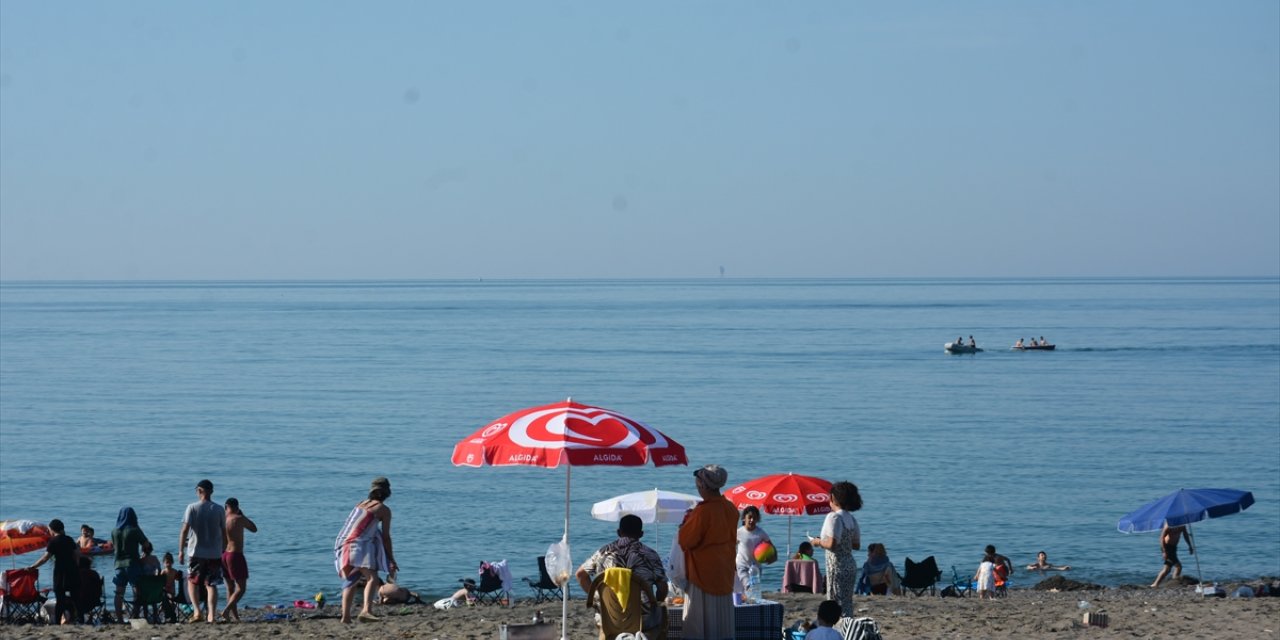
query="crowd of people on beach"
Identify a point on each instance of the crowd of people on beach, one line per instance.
(212, 535)
(713, 565)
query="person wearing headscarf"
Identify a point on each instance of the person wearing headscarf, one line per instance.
(878, 571)
(363, 548)
(127, 538)
(709, 538)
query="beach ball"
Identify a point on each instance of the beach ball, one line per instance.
(765, 553)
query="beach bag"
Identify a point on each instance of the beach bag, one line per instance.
(445, 603)
(862, 629)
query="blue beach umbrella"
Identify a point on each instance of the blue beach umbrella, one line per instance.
(1183, 507)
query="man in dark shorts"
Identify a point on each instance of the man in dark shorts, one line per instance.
(1169, 537)
(206, 521)
(233, 562)
(66, 572)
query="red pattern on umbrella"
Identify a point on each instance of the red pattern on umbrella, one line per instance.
(784, 494)
(567, 433)
(23, 536)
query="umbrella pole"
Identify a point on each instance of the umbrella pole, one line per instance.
(1199, 577)
(788, 536)
(564, 606)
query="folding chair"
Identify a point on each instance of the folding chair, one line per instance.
(921, 577)
(1002, 581)
(642, 611)
(149, 599)
(179, 602)
(962, 585)
(545, 589)
(22, 597)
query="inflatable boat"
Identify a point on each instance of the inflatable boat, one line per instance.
(1038, 347)
(957, 347)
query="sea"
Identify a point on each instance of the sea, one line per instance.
(292, 396)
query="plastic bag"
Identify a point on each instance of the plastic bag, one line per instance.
(559, 566)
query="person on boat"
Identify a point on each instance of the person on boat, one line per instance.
(1043, 342)
(1018, 344)
(972, 342)
(87, 543)
(959, 341)
(1032, 343)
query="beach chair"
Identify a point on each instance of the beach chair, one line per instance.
(642, 612)
(544, 589)
(921, 577)
(22, 596)
(961, 585)
(178, 602)
(1002, 581)
(149, 599)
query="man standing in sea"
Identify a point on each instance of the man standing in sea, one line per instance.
(233, 562)
(206, 520)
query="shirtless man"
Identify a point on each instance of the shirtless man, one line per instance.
(233, 562)
(1042, 564)
(1169, 537)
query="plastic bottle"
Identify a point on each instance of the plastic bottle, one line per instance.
(753, 584)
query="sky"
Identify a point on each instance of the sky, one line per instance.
(544, 139)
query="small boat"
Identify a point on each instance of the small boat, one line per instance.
(1037, 347)
(958, 347)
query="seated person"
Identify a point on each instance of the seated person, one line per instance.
(1042, 564)
(90, 594)
(882, 577)
(626, 552)
(460, 597)
(149, 563)
(1018, 344)
(392, 593)
(829, 613)
(803, 552)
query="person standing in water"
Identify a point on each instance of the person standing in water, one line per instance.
(233, 562)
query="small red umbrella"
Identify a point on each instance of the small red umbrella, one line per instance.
(569, 434)
(23, 536)
(783, 494)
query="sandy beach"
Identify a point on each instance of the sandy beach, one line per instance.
(1175, 612)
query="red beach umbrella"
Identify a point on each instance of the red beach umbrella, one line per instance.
(23, 536)
(783, 494)
(567, 434)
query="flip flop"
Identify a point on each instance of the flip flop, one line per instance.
(368, 617)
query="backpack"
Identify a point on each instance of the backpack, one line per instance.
(862, 629)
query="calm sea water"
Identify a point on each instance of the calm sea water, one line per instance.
(291, 396)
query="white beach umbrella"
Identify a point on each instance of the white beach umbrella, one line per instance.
(651, 506)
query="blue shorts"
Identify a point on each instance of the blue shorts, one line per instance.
(127, 575)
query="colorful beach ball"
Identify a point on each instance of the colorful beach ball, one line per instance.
(766, 553)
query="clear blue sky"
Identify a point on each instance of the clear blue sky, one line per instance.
(288, 139)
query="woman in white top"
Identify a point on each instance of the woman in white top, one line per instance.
(841, 537)
(750, 535)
